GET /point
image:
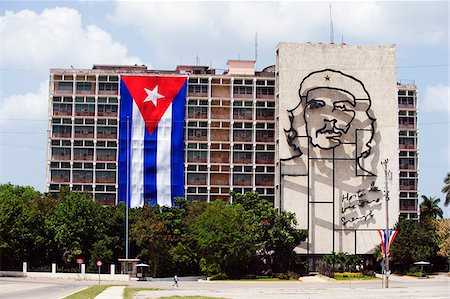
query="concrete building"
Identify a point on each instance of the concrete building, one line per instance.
(264, 131)
(408, 149)
(229, 130)
(337, 121)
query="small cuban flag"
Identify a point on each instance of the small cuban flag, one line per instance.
(151, 135)
(385, 243)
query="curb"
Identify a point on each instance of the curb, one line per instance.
(74, 292)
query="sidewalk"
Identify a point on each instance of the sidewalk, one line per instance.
(115, 292)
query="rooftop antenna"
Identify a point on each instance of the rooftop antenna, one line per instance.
(197, 60)
(331, 28)
(256, 47)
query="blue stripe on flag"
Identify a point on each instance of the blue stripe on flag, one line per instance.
(177, 147)
(126, 102)
(150, 167)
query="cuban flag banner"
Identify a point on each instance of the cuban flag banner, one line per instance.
(385, 243)
(151, 133)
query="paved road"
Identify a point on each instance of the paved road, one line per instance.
(436, 288)
(26, 288)
(312, 287)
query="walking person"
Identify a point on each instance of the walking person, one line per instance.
(175, 281)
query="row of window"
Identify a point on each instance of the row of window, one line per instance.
(86, 86)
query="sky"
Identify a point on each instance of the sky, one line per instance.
(38, 35)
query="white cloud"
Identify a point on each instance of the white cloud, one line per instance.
(222, 30)
(28, 106)
(436, 99)
(56, 38)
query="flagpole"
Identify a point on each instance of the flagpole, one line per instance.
(387, 238)
(128, 188)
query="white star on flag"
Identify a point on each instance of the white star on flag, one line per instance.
(152, 95)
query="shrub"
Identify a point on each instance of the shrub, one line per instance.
(348, 275)
(293, 275)
(219, 276)
(283, 276)
(368, 272)
(326, 271)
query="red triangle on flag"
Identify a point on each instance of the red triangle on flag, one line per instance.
(146, 90)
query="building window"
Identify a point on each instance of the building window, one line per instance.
(264, 91)
(66, 86)
(103, 86)
(84, 86)
(197, 88)
(242, 89)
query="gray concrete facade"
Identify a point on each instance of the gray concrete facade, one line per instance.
(337, 120)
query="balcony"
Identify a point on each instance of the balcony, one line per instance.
(60, 157)
(407, 126)
(265, 117)
(407, 106)
(265, 183)
(106, 158)
(220, 157)
(220, 91)
(407, 146)
(220, 113)
(106, 136)
(407, 166)
(61, 135)
(240, 182)
(107, 114)
(407, 208)
(84, 135)
(264, 139)
(82, 180)
(105, 180)
(220, 179)
(60, 179)
(62, 113)
(265, 161)
(408, 187)
(84, 157)
(196, 160)
(242, 161)
(197, 182)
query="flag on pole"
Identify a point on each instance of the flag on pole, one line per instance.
(385, 242)
(151, 134)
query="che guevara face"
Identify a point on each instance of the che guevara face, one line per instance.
(328, 115)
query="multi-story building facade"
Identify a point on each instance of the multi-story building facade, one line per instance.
(229, 130)
(408, 149)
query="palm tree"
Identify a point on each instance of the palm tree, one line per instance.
(446, 189)
(429, 208)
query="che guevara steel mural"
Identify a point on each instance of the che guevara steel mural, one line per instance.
(335, 112)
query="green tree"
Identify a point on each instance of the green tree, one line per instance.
(78, 230)
(184, 254)
(430, 208)
(446, 189)
(156, 232)
(225, 239)
(276, 233)
(415, 241)
(20, 225)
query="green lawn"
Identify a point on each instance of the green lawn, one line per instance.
(129, 292)
(352, 276)
(90, 292)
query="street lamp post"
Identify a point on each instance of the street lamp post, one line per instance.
(387, 239)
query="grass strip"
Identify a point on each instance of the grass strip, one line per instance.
(90, 292)
(129, 292)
